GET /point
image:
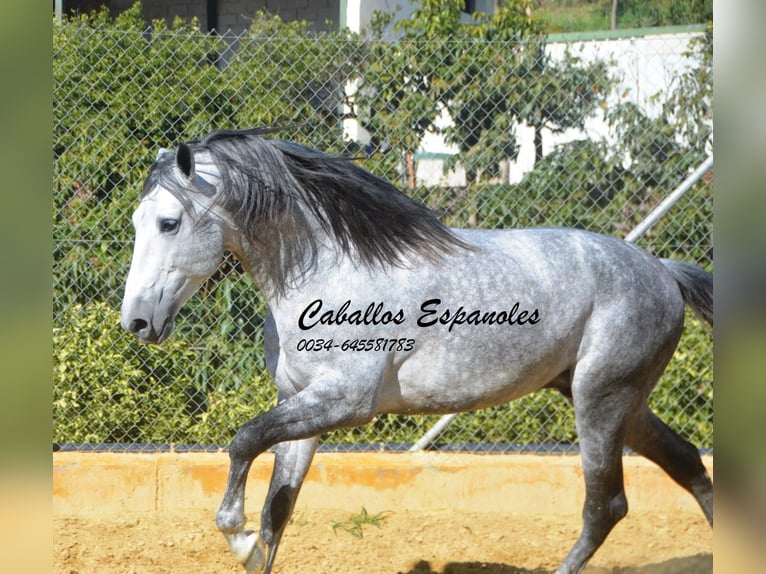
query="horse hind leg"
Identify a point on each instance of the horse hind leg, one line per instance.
(601, 411)
(650, 437)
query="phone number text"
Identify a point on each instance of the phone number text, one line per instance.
(358, 345)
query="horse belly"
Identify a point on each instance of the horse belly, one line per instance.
(472, 374)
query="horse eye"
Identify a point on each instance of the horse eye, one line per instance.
(168, 225)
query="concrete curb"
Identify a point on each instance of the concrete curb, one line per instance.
(103, 483)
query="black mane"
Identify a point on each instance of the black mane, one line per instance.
(270, 181)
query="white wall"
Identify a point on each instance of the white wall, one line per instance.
(643, 66)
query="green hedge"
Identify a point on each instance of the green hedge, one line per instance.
(108, 388)
(121, 92)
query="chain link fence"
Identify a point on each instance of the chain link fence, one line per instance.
(507, 133)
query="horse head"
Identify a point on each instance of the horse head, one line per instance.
(179, 243)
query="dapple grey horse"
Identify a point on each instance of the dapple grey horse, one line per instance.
(376, 307)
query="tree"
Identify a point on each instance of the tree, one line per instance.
(299, 78)
(487, 76)
(646, 13)
(662, 148)
(400, 83)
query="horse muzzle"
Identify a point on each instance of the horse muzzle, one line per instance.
(148, 327)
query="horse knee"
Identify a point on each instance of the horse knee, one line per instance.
(247, 443)
(240, 447)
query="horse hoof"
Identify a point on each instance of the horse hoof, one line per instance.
(255, 563)
(249, 551)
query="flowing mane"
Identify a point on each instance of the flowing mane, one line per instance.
(271, 181)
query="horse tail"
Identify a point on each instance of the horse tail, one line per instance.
(696, 286)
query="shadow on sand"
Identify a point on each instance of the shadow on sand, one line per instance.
(697, 564)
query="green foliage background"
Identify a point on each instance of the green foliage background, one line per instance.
(122, 91)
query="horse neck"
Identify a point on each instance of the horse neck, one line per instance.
(286, 254)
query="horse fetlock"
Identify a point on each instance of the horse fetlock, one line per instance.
(229, 522)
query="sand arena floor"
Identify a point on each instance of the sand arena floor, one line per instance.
(406, 542)
(147, 514)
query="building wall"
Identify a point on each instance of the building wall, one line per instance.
(169, 9)
(236, 15)
(358, 13)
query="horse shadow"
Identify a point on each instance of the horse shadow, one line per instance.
(696, 564)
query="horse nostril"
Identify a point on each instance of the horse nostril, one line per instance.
(137, 325)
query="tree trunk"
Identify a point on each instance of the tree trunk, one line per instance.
(538, 144)
(505, 170)
(614, 15)
(410, 170)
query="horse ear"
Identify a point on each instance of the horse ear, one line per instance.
(162, 152)
(185, 160)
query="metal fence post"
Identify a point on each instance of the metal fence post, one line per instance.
(669, 201)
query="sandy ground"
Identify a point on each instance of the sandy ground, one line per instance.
(406, 542)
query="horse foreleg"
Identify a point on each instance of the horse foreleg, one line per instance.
(291, 464)
(248, 549)
(325, 405)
